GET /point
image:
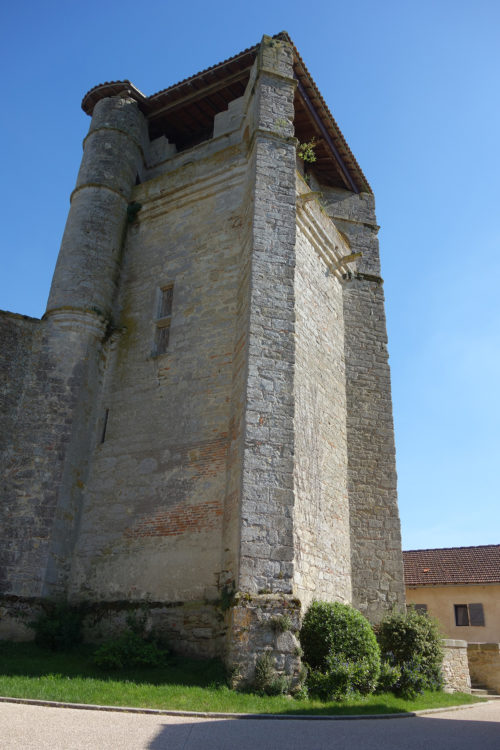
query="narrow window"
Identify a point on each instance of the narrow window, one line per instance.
(476, 615)
(104, 425)
(461, 614)
(163, 319)
(165, 306)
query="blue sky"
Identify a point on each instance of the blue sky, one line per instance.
(414, 87)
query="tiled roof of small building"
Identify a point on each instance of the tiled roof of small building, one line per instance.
(452, 565)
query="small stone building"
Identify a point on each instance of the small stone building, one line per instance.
(200, 425)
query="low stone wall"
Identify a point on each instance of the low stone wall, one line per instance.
(16, 613)
(455, 666)
(192, 628)
(484, 664)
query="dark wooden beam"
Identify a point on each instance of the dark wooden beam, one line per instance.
(198, 94)
(346, 177)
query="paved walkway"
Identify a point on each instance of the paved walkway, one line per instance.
(24, 727)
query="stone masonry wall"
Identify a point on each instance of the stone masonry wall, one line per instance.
(455, 666)
(484, 664)
(152, 522)
(20, 340)
(47, 462)
(376, 559)
(171, 480)
(321, 511)
(266, 560)
(37, 521)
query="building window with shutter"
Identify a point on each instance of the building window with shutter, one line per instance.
(163, 319)
(476, 615)
(469, 615)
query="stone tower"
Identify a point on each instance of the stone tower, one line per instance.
(201, 423)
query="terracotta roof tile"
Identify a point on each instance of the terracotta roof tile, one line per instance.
(452, 565)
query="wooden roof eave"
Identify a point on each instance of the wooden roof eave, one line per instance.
(211, 83)
(344, 160)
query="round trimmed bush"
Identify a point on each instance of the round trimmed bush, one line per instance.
(339, 643)
(412, 642)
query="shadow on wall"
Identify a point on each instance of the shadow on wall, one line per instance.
(412, 733)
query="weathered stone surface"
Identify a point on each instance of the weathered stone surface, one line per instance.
(253, 628)
(321, 507)
(484, 664)
(236, 441)
(455, 666)
(376, 562)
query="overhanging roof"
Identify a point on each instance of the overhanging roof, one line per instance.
(184, 112)
(452, 565)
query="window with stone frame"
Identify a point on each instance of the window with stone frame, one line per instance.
(163, 319)
(469, 615)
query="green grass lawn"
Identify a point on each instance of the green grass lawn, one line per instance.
(28, 671)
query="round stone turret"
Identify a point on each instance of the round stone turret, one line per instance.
(87, 266)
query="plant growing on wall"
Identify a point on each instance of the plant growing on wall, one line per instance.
(306, 151)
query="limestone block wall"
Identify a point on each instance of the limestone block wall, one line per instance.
(169, 457)
(376, 559)
(484, 664)
(229, 576)
(61, 364)
(254, 623)
(151, 526)
(455, 666)
(266, 551)
(88, 263)
(321, 511)
(38, 518)
(20, 338)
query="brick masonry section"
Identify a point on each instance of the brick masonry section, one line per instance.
(181, 519)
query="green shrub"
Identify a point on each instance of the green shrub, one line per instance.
(279, 685)
(265, 672)
(128, 650)
(388, 678)
(341, 650)
(413, 679)
(131, 649)
(412, 642)
(331, 628)
(59, 628)
(267, 681)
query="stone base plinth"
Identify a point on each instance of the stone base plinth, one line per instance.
(263, 623)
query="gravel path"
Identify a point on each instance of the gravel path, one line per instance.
(25, 727)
